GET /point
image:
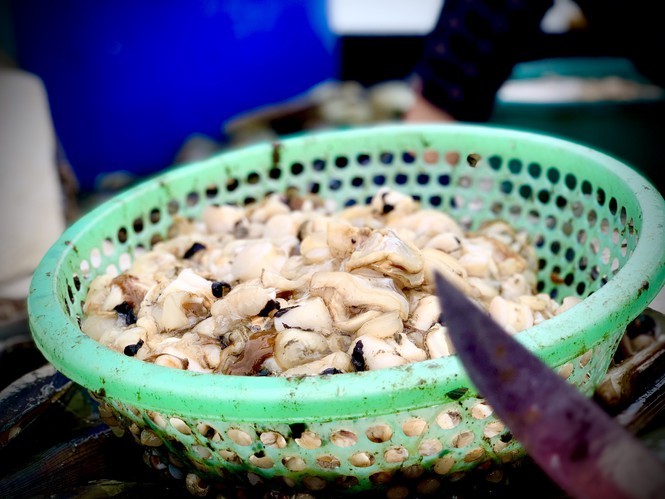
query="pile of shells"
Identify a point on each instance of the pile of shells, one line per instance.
(294, 286)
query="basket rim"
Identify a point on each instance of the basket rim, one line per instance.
(342, 396)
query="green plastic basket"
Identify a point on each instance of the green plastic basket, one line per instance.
(597, 226)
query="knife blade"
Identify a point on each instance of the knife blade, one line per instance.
(580, 447)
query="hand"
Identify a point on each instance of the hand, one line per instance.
(424, 111)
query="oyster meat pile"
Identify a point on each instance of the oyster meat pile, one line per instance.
(294, 286)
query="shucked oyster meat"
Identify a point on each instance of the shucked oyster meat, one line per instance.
(294, 287)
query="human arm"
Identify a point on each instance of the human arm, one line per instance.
(470, 54)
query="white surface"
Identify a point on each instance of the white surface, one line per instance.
(383, 17)
(559, 89)
(659, 302)
(31, 210)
